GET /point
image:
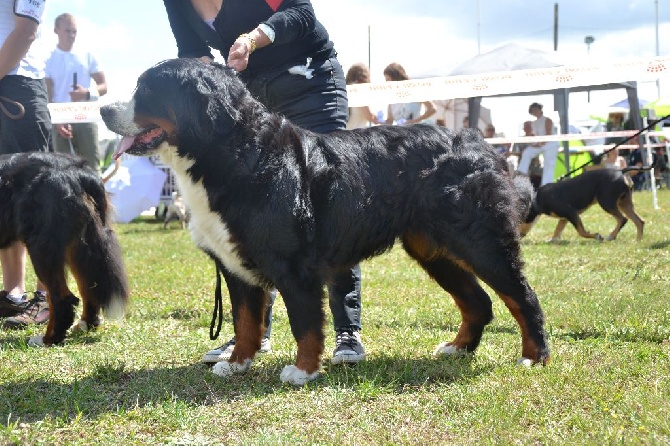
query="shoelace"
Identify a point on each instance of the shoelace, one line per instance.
(33, 307)
(227, 344)
(346, 337)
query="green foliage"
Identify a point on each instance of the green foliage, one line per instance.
(139, 381)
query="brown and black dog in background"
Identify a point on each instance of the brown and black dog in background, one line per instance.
(568, 198)
(59, 209)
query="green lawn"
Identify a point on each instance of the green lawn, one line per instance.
(140, 381)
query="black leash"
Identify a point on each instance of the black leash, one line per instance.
(218, 306)
(599, 157)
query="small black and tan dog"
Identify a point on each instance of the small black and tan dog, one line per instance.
(59, 209)
(566, 199)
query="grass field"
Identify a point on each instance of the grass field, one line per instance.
(139, 381)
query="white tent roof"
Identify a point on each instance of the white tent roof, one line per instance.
(510, 57)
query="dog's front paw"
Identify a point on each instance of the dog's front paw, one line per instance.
(36, 341)
(599, 238)
(225, 368)
(292, 374)
(525, 362)
(449, 349)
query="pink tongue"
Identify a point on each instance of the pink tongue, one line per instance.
(124, 145)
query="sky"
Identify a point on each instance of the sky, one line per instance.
(429, 38)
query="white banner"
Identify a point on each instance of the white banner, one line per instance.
(508, 82)
(71, 112)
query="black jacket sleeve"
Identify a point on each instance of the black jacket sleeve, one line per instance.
(189, 44)
(293, 20)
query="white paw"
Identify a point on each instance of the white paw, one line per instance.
(225, 368)
(526, 362)
(79, 326)
(292, 374)
(36, 341)
(449, 350)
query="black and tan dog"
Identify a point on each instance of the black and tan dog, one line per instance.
(568, 198)
(278, 206)
(59, 209)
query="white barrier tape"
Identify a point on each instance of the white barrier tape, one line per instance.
(568, 137)
(508, 82)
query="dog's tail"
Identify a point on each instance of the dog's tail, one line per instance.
(526, 193)
(96, 259)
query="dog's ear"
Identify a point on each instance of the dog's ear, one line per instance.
(220, 92)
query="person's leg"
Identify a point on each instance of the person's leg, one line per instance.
(526, 157)
(13, 259)
(62, 145)
(85, 141)
(28, 133)
(550, 154)
(344, 299)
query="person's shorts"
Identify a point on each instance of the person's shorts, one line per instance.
(30, 132)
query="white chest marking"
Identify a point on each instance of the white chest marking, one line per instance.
(208, 229)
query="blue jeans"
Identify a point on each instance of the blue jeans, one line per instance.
(318, 104)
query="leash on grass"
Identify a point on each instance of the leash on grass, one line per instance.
(18, 105)
(599, 157)
(218, 306)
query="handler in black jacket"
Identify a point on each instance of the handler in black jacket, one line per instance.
(285, 57)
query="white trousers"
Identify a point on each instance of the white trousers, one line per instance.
(549, 153)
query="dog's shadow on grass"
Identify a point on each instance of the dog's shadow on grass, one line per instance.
(113, 386)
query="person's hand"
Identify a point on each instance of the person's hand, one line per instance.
(238, 56)
(79, 94)
(64, 130)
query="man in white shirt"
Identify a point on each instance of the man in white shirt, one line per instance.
(69, 72)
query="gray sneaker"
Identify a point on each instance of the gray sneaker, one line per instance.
(348, 347)
(223, 353)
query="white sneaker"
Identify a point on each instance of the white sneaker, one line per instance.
(223, 353)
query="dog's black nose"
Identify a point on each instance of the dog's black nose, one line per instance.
(109, 111)
(105, 111)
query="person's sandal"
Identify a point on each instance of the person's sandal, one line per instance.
(36, 312)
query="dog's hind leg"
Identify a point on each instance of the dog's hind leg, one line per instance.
(49, 265)
(609, 202)
(626, 205)
(509, 283)
(497, 262)
(456, 279)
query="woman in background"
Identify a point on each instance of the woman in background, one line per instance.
(408, 113)
(359, 117)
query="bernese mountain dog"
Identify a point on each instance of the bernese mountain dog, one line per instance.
(59, 208)
(279, 206)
